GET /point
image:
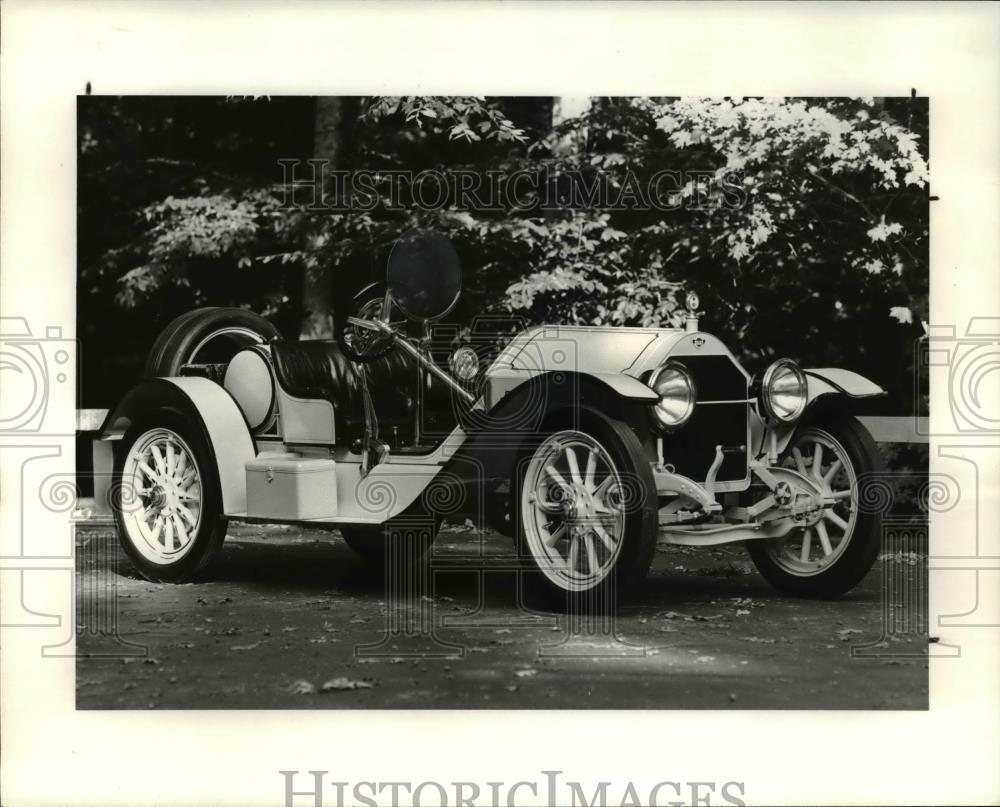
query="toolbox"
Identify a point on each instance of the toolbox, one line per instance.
(291, 487)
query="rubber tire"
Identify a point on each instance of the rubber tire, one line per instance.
(197, 562)
(373, 545)
(173, 347)
(866, 540)
(641, 523)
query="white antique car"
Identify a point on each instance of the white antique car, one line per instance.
(586, 444)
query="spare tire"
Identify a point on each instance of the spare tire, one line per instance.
(206, 336)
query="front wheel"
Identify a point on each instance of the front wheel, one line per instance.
(168, 506)
(830, 557)
(585, 514)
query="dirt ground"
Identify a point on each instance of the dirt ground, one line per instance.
(293, 619)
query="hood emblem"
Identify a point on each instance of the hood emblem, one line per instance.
(698, 342)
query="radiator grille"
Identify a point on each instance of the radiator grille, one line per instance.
(691, 449)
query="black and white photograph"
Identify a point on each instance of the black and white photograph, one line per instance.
(458, 401)
(499, 403)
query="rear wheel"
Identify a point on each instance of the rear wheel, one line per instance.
(585, 514)
(168, 508)
(206, 336)
(830, 557)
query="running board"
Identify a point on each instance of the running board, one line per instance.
(314, 523)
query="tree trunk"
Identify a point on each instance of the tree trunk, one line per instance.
(334, 127)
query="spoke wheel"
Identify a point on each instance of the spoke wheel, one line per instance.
(832, 553)
(169, 505)
(807, 551)
(572, 511)
(585, 517)
(165, 488)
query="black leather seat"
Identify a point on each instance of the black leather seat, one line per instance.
(319, 369)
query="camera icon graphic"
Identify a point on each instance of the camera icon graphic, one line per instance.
(35, 371)
(972, 364)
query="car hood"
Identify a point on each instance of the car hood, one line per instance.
(601, 350)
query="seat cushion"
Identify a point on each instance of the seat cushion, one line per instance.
(319, 369)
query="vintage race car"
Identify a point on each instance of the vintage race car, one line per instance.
(587, 445)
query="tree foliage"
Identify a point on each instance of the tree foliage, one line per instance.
(824, 257)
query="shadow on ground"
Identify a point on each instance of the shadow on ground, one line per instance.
(292, 619)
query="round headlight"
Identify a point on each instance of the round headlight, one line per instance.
(464, 364)
(673, 383)
(783, 391)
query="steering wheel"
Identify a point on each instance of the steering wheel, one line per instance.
(423, 281)
(366, 333)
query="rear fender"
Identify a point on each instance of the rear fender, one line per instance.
(221, 420)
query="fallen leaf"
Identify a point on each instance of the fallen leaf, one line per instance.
(340, 684)
(525, 673)
(301, 687)
(245, 646)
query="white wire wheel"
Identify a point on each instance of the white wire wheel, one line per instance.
(807, 551)
(168, 505)
(831, 556)
(586, 518)
(572, 511)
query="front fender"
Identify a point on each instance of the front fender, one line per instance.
(221, 420)
(518, 407)
(833, 380)
(830, 390)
